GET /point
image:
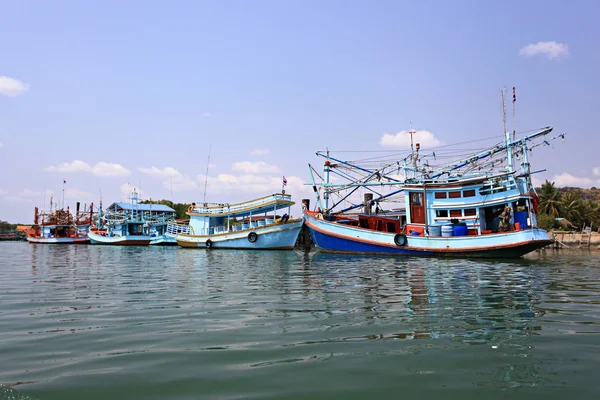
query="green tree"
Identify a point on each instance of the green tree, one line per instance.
(547, 222)
(6, 227)
(571, 206)
(180, 208)
(550, 200)
(590, 213)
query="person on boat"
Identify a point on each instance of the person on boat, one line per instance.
(505, 216)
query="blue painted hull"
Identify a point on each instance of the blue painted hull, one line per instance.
(271, 237)
(334, 237)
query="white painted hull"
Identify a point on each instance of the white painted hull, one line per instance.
(126, 240)
(59, 240)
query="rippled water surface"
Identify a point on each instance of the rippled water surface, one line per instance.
(96, 322)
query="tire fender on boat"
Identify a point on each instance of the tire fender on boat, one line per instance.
(209, 244)
(191, 208)
(252, 237)
(400, 239)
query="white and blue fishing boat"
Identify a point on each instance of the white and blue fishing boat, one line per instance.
(252, 224)
(133, 223)
(478, 206)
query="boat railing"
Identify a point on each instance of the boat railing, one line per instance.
(174, 228)
(241, 207)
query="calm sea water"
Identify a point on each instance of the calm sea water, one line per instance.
(96, 322)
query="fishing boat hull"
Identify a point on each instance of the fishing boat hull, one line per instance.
(270, 237)
(335, 237)
(125, 240)
(59, 240)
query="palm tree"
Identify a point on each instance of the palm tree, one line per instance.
(572, 207)
(550, 200)
(590, 213)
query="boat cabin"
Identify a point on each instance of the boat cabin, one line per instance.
(480, 205)
(210, 218)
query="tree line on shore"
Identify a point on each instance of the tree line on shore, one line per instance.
(581, 207)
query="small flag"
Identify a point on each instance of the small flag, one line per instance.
(514, 95)
(284, 181)
(64, 181)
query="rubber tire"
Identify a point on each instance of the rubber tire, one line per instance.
(400, 239)
(252, 237)
(209, 244)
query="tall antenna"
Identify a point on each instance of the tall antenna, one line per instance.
(206, 176)
(503, 113)
(514, 100)
(63, 190)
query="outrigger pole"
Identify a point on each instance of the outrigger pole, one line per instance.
(459, 164)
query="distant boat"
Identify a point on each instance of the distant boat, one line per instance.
(60, 226)
(252, 224)
(479, 206)
(136, 224)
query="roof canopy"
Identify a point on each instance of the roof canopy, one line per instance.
(140, 207)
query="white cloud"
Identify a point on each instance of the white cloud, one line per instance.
(12, 87)
(206, 115)
(24, 195)
(212, 166)
(259, 152)
(1, 145)
(402, 139)
(171, 178)
(552, 50)
(110, 169)
(256, 185)
(77, 194)
(596, 171)
(101, 168)
(257, 167)
(566, 179)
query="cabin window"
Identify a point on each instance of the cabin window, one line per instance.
(455, 213)
(469, 193)
(440, 195)
(379, 225)
(441, 213)
(454, 195)
(391, 227)
(470, 211)
(364, 223)
(416, 199)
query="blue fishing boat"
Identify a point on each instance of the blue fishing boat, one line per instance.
(478, 206)
(252, 224)
(127, 224)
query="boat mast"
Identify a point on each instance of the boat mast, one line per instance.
(506, 136)
(326, 191)
(206, 175)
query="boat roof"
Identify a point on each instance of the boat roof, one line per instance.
(264, 204)
(140, 207)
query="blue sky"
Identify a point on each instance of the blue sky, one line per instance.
(109, 95)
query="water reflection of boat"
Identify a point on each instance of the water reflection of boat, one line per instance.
(478, 206)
